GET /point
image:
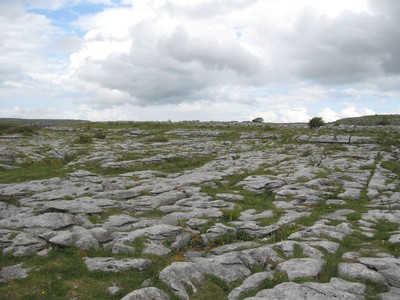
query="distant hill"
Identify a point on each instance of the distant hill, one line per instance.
(18, 121)
(371, 120)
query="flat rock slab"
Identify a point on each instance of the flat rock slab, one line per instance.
(306, 291)
(387, 266)
(302, 267)
(146, 294)
(360, 272)
(109, 264)
(13, 272)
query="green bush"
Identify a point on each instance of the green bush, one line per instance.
(84, 139)
(316, 122)
(100, 135)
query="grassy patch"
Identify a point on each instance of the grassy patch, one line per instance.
(44, 169)
(100, 218)
(63, 275)
(279, 278)
(393, 166)
(211, 288)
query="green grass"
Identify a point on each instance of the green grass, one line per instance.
(44, 169)
(393, 166)
(100, 218)
(278, 278)
(210, 288)
(63, 275)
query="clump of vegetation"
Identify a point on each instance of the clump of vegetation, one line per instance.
(258, 120)
(316, 122)
(100, 135)
(10, 128)
(231, 214)
(84, 139)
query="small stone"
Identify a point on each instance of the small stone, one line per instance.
(13, 272)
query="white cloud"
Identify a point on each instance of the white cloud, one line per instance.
(209, 59)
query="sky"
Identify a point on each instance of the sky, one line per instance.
(207, 60)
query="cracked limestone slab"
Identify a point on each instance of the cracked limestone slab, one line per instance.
(302, 267)
(110, 264)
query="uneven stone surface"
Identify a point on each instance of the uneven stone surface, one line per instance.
(194, 207)
(109, 264)
(13, 272)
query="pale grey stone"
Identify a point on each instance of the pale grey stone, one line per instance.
(146, 294)
(306, 291)
(155, 248)
(13, 272)
(392, 294)
(258, 184)
(302, 267)
(335, 202)
(217, 231)
(229, 267)
(50, 221)
(230, 197)
(250, 283)
(25, 244)
(178, 275)
(112, 290)
(389, 267)
(234, 247)
(360, 271)
(357, 288)
(110, 264)
(250, 214)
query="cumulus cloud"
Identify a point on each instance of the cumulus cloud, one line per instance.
(243, 58)
(182, 52)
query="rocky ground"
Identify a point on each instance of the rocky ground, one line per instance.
(200, 211)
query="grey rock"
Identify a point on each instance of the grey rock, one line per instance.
(13, 272)
(179, 275)
(229, 267)
(357, 288)
(254, 230)
(360, 271)
(302, 267)
(234, 247)
(388, 267)
(306, 291)
(78, 236)
(112, 290)
(110, 264)
(250, 283)
(146, 294)
(392, 294)
(50, 221)
(217, 231)
(25, 244)
(230, 197)
(250, 214)
(155, 248)
(258, 184)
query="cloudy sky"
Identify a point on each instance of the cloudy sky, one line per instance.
(283, 60)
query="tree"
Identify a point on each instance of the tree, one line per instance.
(316, 122)
(258, 120)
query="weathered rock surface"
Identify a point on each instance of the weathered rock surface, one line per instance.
(13, 272)
(109, 264)
(239, 203)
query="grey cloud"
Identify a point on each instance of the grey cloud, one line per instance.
(171, 69)
(182, 66)
(352, 47)
(207, 9)
(211, 53)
